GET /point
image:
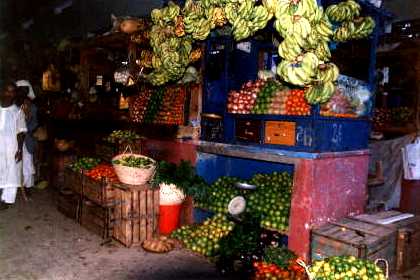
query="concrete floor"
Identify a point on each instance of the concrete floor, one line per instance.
(39, 243)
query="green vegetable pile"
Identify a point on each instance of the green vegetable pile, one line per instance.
(118, 136)
(84, 163)
(184, 177)
(280, 256)
(204, 239)
(132, 161)
(346, 267)
(154, 104)
(265, 97)
(272, 199)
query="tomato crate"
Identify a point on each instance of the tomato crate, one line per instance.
(408, 237)
(68, 203)
(298, 133)
(98, 191)
(356, 238)
(97, 219)
(136, 213)
(73, 180)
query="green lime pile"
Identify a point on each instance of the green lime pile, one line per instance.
(265, 97)
(132, 161)
(346, 268)
(220, 194)
(84, 163)
(271, 200)
(204, 239)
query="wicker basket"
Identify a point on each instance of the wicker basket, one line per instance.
(133, 175)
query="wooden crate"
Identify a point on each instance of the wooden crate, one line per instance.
(97, 219)
(68, 204)
(356, 238)
(72, 180)
(408, 238)
(98, 191)
(136, 214)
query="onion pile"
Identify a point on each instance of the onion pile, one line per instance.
(170, 194)
(242, 101)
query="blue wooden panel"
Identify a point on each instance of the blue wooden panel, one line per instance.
(211, 167)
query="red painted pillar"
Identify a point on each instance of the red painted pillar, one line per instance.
(170, 150)
(326, 188)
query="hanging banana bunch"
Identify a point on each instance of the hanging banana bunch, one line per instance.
(306, 29)
(344, 11)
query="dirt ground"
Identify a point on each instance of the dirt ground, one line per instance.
(39, 243)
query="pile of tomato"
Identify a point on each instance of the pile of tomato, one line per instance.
(103, 171)
(267, 271)
(296, 103)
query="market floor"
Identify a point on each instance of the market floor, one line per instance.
(39, 243)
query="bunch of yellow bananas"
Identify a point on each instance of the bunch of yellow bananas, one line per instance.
(319, 92)
(344, 11)
(352, 30)
(300, 72)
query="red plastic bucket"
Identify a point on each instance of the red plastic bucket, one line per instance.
(169, 218)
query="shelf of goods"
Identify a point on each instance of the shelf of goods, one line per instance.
(278, 115)
(300, 190)
(96, 200)
(163, 105)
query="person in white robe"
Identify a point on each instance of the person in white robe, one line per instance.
(12, 136)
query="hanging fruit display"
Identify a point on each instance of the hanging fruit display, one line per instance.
(305, 27)
(204, 239)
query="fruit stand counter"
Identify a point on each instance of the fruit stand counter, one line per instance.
(326, 186)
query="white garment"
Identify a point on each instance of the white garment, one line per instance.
(25, 83)
(28, 168)
(12, 122)
(9, 195)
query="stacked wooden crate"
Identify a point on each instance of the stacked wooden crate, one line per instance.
(129, 214)
(137, 214)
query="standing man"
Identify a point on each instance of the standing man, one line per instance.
(12, 136)
(25, 102)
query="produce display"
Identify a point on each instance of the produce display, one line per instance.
(338, 106)
(172, 108)
(279, 263)
(261, 97)
(265, 97)
(204, 239)
(220, 193)
(161, 106)
(84, 163)
(271, 200)
(383, 117)
(346, 267)
(153, 106)
(242, 101)
(120, 136)
(401, 114)
(133, 161)
(103, 171)
(306, 28)
(138, 106)
(296, 103)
